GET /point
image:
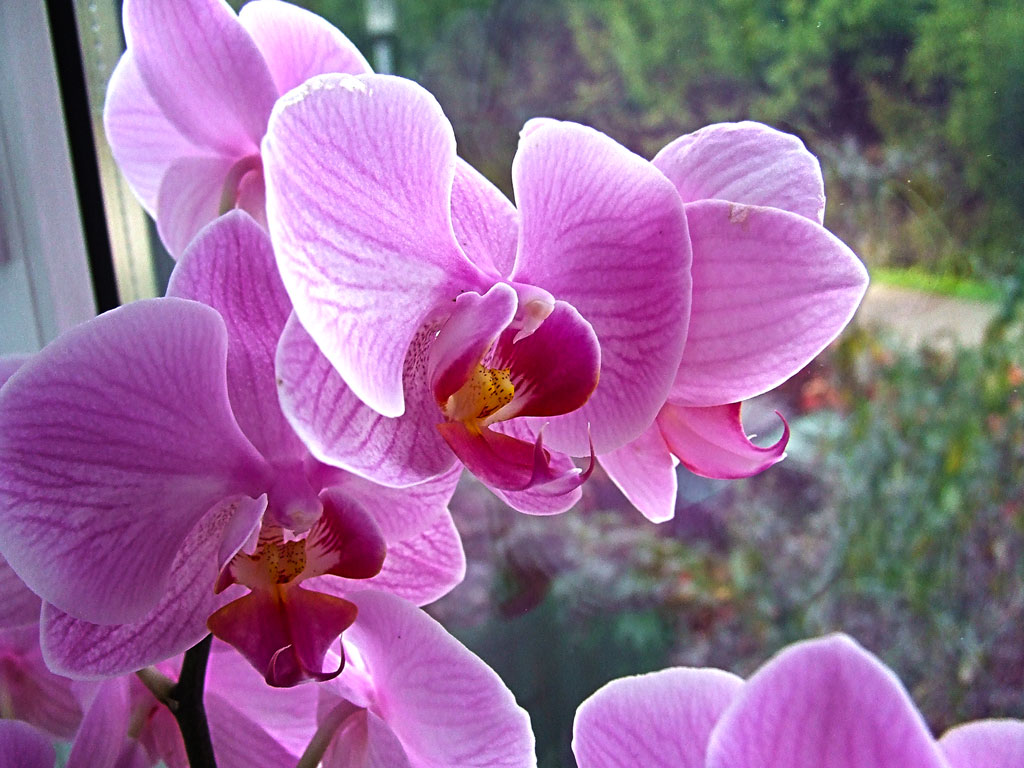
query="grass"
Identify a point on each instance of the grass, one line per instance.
(946, 285)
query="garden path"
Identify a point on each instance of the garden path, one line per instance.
(916, 317)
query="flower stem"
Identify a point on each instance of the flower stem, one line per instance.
(324, 733)
(185, 701)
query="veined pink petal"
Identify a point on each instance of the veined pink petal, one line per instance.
(359, 175)
(770, 290)
(486, 224)
(31, 691)
(177, 622)
(251, 723)
(22, 746)
(823, 702)
(190, 197)
(536, 123)
(297, 44)
(645, 472)
(400, 512)
(115, 441)
(19, 605)
(230, 267)
(204, 71)
(143, 140)
(473, 326)
(425, 567)
(445, 705)
(420, 568)
(339, 429)
(103, 735)
(710, 442)
(604, 231)
(659, 720)
(985, 744)
(365, 741)
(554, 370)
(746, 163)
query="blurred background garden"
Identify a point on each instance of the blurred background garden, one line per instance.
(898, 516)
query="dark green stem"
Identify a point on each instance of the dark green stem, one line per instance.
(186, 704)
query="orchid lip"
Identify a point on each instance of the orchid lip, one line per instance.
(283, 629)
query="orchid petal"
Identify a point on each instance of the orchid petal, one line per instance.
(83, 650)
(345, 541)
(420, 568)
(230, 267)
(204, 71)
(659, 720)
(34, 693)
(465, 338)
(252, 724)
(548, 499)
(9, 364)
(284, 634)
(486, 223)
(22, 746)
(104, 731)
(605, 232)
(538, 501)
(555, 369)
(339, 429)
(364, 741)
(359, 176)
(297, 44)
(985, 744)
(823, 702)
(119, 429)
(400, 512)
(443, 703)
(645, 472)
(19, 605)
(425, 567)
(142, 139)
(190, 197)
(771, 290)
(746, 163)
(710, 442)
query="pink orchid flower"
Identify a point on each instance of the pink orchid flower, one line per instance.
(189, 101)
(22, 746)
(411, 696)
(251, 724)
(150, 486)
(824, 703)
(771, 288)
(437, 323)
(29, 691)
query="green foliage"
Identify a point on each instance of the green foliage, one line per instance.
(946, 285)
(553, 657)
(929, 494)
